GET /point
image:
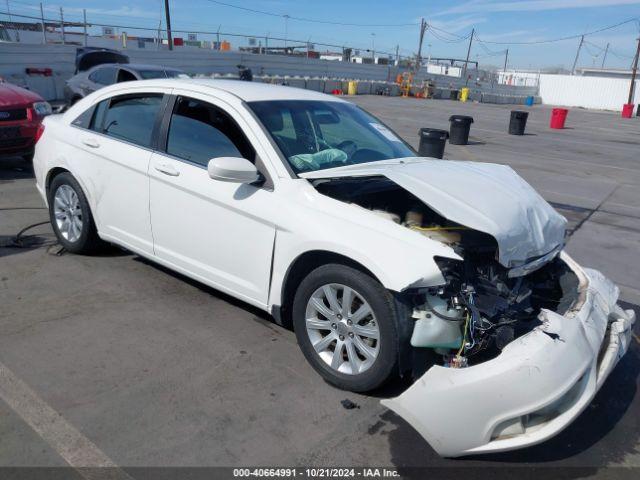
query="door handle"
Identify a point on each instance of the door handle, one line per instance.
(91, 142)
(167, 169)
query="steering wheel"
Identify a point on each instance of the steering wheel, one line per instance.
(349, 147)
(363, 155)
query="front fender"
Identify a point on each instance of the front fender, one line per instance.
(397, 266)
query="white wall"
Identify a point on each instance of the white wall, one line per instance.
(444, 70)
(586, 92)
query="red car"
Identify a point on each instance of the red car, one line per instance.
(21, 114)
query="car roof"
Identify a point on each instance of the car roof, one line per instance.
(247, 91)
(145, 66)
(137, 66)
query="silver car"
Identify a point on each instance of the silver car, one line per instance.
(88, 81)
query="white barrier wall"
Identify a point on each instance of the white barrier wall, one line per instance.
(15, 57)
(587, 92)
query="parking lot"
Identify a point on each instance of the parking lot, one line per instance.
(148, 368)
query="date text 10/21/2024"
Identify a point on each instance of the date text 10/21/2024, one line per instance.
(315, 472)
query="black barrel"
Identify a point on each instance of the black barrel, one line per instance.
(459, 129)
(518, 122)
(453, 94)
(432, 142)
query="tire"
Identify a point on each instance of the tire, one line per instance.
(363, 362)
(82, 239)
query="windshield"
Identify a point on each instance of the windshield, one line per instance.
(314, 135)
(152, 74)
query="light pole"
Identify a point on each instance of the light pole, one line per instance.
(373, 47)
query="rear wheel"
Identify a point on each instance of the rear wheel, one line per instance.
(345, 323)
(71, 217)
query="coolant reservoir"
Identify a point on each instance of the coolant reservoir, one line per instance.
(432, 331)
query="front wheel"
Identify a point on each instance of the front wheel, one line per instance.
(345, 324)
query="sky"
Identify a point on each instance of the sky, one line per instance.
(383, 25)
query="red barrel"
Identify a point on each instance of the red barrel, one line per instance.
(558, 117)
(627, 110)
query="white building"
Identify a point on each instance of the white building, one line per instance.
(443, 69)
(604, 72)
(519, 78)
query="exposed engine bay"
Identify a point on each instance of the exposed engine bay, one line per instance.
(481, 308)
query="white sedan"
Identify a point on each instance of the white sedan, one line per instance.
(384, 263)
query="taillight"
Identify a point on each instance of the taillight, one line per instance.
(39, 132)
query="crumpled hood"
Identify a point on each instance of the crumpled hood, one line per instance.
(487, 197)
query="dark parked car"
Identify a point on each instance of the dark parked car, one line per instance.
(97, 68)
(21, 114)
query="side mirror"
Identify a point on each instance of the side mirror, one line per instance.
(233, 169)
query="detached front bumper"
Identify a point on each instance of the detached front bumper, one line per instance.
(536, 387)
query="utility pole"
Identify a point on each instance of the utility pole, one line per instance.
(604, 57)
(11, 21)
(423, 28)
(397, 55)
(506, 57)
(84, 17)
(44, 30)
(575, 62)
(466, 63)
(62, 24)
(168, 15)
(634, 70)
(286, 32)
(158, 38)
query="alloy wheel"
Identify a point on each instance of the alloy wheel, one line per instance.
(68, 213)
(342, 328)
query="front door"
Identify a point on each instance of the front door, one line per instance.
(220, 233)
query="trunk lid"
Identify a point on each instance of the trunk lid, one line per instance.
(88, 57)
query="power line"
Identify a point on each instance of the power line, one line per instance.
(569, 37)
(446, 40)
(310, 20)
(438, 32)
(174, 30)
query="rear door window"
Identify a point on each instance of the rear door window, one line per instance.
(103, 76)
(129, 117)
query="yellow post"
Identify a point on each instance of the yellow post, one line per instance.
(464, 94)
(352, 88)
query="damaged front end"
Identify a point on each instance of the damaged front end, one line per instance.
(534, 387)
(519, 338)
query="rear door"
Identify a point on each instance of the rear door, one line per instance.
(116, 148)
(220, 233)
